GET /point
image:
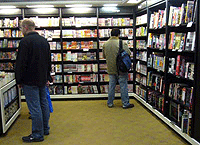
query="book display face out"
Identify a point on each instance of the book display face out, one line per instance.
(166, 50)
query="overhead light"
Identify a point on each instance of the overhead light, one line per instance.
(39, 6)
(111, 9)
(44, 10)
(79, 5)
(7, 7)
(9, 11)
(133, 1)
(80, 10)
(110, 5)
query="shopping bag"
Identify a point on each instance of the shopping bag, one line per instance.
(49, 100)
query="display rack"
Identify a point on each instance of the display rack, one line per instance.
(10, 102)
(172, 61)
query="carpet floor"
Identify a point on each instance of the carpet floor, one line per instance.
(91, 122)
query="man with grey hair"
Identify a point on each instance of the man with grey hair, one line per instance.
(32, 72)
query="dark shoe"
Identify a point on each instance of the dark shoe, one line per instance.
(110, 105)
(129, 106)
(30, 138)
(46, 133)
(29, 117)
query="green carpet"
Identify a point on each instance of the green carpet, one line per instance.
(91, 122)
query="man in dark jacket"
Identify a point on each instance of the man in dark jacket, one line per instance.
(32, 72)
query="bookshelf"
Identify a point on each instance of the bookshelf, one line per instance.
(76, 41)
(106, 21)
(140, 49)
(172, 53)
(10, 36)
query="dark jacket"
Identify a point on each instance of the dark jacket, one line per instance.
(33, 63)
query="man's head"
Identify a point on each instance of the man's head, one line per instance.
(115, 32)
(27, 26)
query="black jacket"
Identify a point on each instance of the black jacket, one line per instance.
(33, 63)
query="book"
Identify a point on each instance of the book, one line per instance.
(190, 41)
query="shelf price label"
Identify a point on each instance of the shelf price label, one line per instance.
(85, 49)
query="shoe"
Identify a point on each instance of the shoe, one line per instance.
(30, 138)
(46, 133)
(129, 106)
(110, 105)
(29, 117)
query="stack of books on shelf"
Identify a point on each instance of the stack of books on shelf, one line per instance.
(141, 19)
(158, 19)
(89, 56)
(156, 41)
(81, 89)
(79, 22)
(115, 22)
(80, 68)
(181, 15)
(46, 22)
(5, 43)
(141, 31)
(8, 23)
(85, 33)
(80, 45)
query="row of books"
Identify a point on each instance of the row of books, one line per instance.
(9, 95)
(5, 43)
(141, 31)
(141, 19)
(182, 93)
(11, 110)
(181, 67)
(141, 91)
(102, 67)
(115, 22)
(10, 33)
(156, 41)
(89, 56)
(80, 78)
(141, 44)
(8, 55)
(129, 42)
(49, 34)
(83, 56)
(80, 68)
(85, 33)
(80, 89)
(9, 23)
(155, 81)
(80, 45)
(46, 22)
(181, 116)
(141, 79)
(78, 22)
(105, 88)
(141, 55)
(181, 41)
(127, 32)
(6, 66)
(158, 19)
(181, 15)
(156, 61)
(141, 68)
(156, 100)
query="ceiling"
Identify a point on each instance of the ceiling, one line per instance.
(61, 3)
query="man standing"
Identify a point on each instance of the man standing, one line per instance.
(110, 51)
(32, 72)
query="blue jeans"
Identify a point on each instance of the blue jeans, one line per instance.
(122, 79)
(37, 102)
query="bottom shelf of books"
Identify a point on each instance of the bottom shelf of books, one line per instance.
(181, 128)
